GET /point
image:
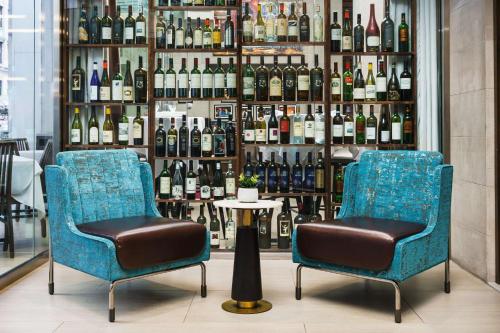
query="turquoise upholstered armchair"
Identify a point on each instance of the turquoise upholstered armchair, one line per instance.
(101, 203)
(394, 222)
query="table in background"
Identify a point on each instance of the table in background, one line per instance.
(246, 291)
(26, 183)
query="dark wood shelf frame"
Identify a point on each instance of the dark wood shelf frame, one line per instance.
(106, 46)
(373, 102)
(215, 52)
(378, 54)
(187, 158)
(194, 8)
(102, 146)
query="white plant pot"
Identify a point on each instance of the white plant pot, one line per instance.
(248, 194)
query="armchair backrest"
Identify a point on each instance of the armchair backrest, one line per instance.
(396, 184)
(103, 184)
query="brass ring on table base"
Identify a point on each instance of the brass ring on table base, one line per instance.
(251, 307)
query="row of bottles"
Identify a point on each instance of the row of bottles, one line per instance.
(282, 27)
(108, 134)
(197, 2)
(211, 141)
(104, 88)
(169, 36)
(219, 82)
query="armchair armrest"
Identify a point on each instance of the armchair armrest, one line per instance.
(147, 185)
(350, 183)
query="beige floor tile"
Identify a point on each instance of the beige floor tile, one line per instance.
(23, 327)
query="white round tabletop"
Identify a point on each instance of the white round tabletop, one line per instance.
(260, 204)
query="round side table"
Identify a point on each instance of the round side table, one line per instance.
(246, 292)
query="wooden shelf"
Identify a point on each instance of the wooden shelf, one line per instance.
(105, 104)
(216, 52)
(290, 145)
(188, 99)
(69, 146)
(194, 8)
(375, 145)
(269, 44)
(374, 102)
(380, 54)
(291, 194)
(213, 158)
(280, 102)
(107, 46)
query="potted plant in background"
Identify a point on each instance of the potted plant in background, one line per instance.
(247, 191)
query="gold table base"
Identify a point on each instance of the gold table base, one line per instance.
(246, 307)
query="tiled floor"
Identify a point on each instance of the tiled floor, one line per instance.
(171, 303)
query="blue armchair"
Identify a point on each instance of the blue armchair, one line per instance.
(105, 188)
(393, 224)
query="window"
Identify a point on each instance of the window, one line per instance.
(1, 16)
(1, 53)
(1, 86)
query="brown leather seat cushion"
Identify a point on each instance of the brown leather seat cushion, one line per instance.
(143, 241)
(358, 242)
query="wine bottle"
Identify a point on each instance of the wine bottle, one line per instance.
(297, 174)
(248, 169)
(138, 128)
(260, 171)
(170, 80)
(188, 41)
(304, 25)
(201, 218)
(95, 28)
(214, 231)
(359, 36)
(381, 82)
(216, 35)
(272, 176)
(348, 127)
(393, 86)
(318, 25)
(289, 81)
(179, 35)
(78, 82)
(198, 35)
(105, 87)
(247, 25)
(76, 133)
(190, 182)
(207, 35)
(218, 183)
(319, 174)
(359, 84)
(248, 81)
(207, 78)
(231, 79)
(282, 25)
(284, 179)
(372, 32)
(129, 27)
(264, 230)
(230, 231)
(117, 85)
(177, 183)
(170, 39)
(128, 85)
(387, 28)
(370, 85)
(106, 27)
(347, 87)
(338, 183)
(95, 85)
(228, 32)
(405, 90)
(336, 34)
(371, 127)
(347, 33)
(123, 138)
(309, 173)
(159, 87)
(338, 127)
(259, 27)
(83, 27)
(205, 188)
(262, 82)
(272, 127)
(183, 81)
(303, 81)
(395, 127)
(165, 182)
(408, 126)
(160, 140)
(219, 138)
(298, 128)
(275, 82)
(360, 126)
(316, 81)
(293, 25)
(260, 128)
(93, 128)
(284, 127)
(384, 128)
(336, 84)
(319, 126)
(183, 138)
(219, 80)
(270, 24)
(140, 28)
(161, 31)
(230, 181)
(309, 130)
(172, 139)
(404, 39)
(206, 139)
(249, 129)
(300, 217)
(141, 83)
(195, 80)
(195, 140)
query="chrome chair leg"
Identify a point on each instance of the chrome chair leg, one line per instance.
(397, 302)
(203, 280)
(298, 287)
(447, 285)
(51, 271)
(111, 299)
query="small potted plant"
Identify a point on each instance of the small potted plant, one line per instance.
(247, 191)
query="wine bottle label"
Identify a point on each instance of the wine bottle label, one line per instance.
(348, 128)
(191, 185)
(105, 93)
(231, 80)
(259, 32)
(281, 27)
(123, 132)
(285, 228)
(338, 131)
(179, 38)
(198, 38)
(219, 81)
(94, 95)
(171, 142)
(272, 178)
(206, 142)
(76, 82)
(188, 41)
(249, 135)
(196, 81)
(129, 33)
(137, 131)
(284, 126)
(270, 28)
(183, 81)
(214, 238)
(220, 144)
(248, 85)
(275, 86)
(75, 136)
(160, 32)
(159, 81)
(297, 179)
(371, 91)
(117, 90)
(140, 29)
(309, 179)
(205, 192)
(293, 29)
(83, 36)
(164, 185)
(336, 86)
(170, 37)
(139, 82)
(128, 93)
(319, 133)
(273, 134)
(177, 191)
(346, 43)
(384, 136)
(248, 28)
(396, 131)
(403, 35)
(405, 83)
(319, 178)
(260, 135)
(407, 127)
(106, 33)
(170, 81)
(372, 41)
(216, 36)
(262, 227)
(230, 186)
(359, 93)
(318, 29)
(298, 129)
(370, 133)
(303, 82)
(207, 38)
(218, 191)
(381, 83)
(107, 136)
(336, 34)
(207, 81)
(309, 129)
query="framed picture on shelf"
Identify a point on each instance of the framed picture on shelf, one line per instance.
(223, 111)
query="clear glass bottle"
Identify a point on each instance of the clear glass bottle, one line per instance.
(230, 231)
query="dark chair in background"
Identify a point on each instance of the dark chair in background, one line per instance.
(7, 152)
